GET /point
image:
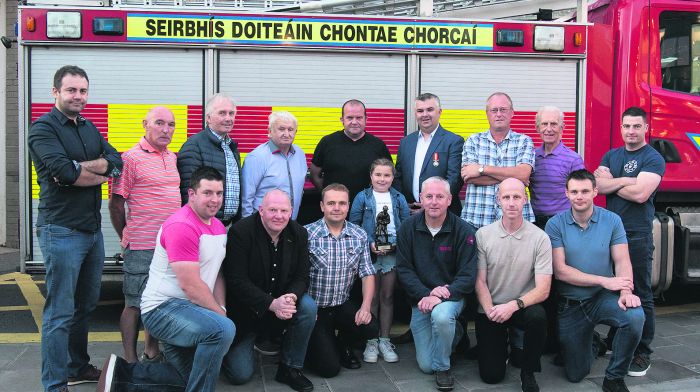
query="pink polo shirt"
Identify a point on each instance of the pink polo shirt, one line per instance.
(150, 183)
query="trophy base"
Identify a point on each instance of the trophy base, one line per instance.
(385, 247)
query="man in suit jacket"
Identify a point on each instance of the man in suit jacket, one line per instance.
(432, 151)
(266, 270)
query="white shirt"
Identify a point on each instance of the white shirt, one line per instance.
(421, 150)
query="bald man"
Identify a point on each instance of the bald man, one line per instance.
(514, 274)
(267, 275)
(150, 187)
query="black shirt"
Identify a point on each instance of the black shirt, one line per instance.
(56, 145)
(347, 162)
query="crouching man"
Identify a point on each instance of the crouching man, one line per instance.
(589, 243)
(513, 278)
(436, 264)
(267, 274)
(183, 304)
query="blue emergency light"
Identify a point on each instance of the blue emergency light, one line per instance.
(108, 26)
(509, 37)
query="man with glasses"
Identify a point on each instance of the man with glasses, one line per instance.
(492, 156)
(629, 176)
(488, 158)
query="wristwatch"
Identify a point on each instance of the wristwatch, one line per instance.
(481, 170)
(521, 304)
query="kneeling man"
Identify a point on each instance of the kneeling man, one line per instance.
(436, 264)
(183, 304)
(267, 274)
(592, 263)
(513, 278)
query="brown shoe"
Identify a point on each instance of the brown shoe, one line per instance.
(91, 374)
(107, 377)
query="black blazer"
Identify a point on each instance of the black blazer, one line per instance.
(246, 270)
(449, 147)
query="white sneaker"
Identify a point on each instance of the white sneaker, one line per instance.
(371, 353)
(387, 350)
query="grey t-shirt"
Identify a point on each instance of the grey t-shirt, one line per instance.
(512, 260)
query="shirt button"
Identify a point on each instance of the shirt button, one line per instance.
(273, 279)
(274, 265)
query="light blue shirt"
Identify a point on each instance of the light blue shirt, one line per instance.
(266, 168)
(587, 250)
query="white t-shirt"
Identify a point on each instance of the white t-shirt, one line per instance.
(381, 200)
(183, 238)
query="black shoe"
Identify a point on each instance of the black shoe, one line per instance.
(599, 345)
(294, 378)
(528, 382)
(444, 380)
(614, 385)
(639, 366)
(406, 337)
(464, 343)
(516, 357)
(267, 347)
(558, 360)
(348, 359)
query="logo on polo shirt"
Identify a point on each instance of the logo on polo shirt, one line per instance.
(630, 166)
(445, 248)
(470, 240)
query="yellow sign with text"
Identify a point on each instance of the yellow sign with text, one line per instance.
(351, 33)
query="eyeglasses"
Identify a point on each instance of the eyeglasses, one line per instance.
(499, 110)
(636, 127)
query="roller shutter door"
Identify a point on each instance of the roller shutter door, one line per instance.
(464, 83)
(124, 85)
(313, 86)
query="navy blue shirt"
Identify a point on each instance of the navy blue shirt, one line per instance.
(424, 262)
(56, 144)
(622, 163)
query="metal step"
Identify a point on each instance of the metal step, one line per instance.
(687, 243)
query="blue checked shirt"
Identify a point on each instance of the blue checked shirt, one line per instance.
(336, 261)
(480, 207)
(232, 193)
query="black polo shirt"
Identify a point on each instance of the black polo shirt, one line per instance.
(56, 144)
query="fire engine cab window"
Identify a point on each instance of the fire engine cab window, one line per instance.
(680, 51)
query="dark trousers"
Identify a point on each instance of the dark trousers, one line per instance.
(492, 339)
(550, 304)
(323, 354)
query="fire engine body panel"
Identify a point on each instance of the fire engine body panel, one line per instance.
(310, 64)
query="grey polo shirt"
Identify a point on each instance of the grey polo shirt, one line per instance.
(587, 250)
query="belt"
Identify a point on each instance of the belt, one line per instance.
(571, 302)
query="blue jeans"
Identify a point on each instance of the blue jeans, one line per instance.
(434, 335)
(576, 323)
(641, 250)
(73, 261)
(195, 341)
(239, 363)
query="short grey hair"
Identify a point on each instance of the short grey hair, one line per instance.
(208, 107)
(428, 96)
(281, 115)
(438, 180)
(549, 108)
